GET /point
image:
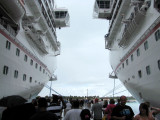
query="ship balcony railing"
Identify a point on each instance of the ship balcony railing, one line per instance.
(132, 23)
(62, 18)
(102, 9)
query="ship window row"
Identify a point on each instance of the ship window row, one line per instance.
(8, 46)
(146, 47)
(6, 71)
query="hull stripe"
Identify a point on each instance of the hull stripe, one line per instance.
(142, 41)
(24, 49)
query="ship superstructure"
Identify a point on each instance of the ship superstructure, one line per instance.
(133, 41)
(29, 45)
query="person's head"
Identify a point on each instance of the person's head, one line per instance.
(96, 100)
(85, 114)
(111, 101)
(148, 103)
(75, 104)
(55, 99)
(143, 109)
(123, 100)
(42, 103)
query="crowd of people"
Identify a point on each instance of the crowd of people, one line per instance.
(56, 108)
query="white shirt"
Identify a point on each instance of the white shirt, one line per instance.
(68, 106)
(73, 114)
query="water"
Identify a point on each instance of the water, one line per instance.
(134, 106)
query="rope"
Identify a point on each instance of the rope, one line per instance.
(114, 89)
(52, 90)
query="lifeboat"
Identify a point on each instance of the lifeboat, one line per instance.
(13, 8)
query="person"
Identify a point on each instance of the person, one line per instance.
(144, 113)
(56, 106)
(97, 110)
(74, 113)
(118, 102)
(68, 107)
(19, 112)
(110, 108)
(122, 111)
(85, 114)
(104, 107)
(153, 110)
(42, 113)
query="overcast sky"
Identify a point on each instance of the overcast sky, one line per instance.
(84, 61)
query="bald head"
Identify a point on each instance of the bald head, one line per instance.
(123, 100)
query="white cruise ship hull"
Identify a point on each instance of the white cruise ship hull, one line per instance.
(28, 46)
(132, 73)
(133, 40)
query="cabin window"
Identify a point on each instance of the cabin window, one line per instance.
(140, 73)
(8, 45)
(17, 52)
(103, 4)
(16, 74)
(36, 65)
(159, 64)
(157, 35)
(146, 45)
(31, 62)
(148, 71)
(123, 65)
(30, 79)
(40, 68)
(127, 62)
(5, 70)
(25, 58)
(24, 77)
(132, 57)
(138, 52)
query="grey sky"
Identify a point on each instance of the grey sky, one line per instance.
(84, 61)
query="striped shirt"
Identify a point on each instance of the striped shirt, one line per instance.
(56, 110)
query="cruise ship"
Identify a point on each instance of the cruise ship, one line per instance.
(133, 41)
(29, 45)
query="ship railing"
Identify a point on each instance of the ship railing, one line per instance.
(132, 22)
